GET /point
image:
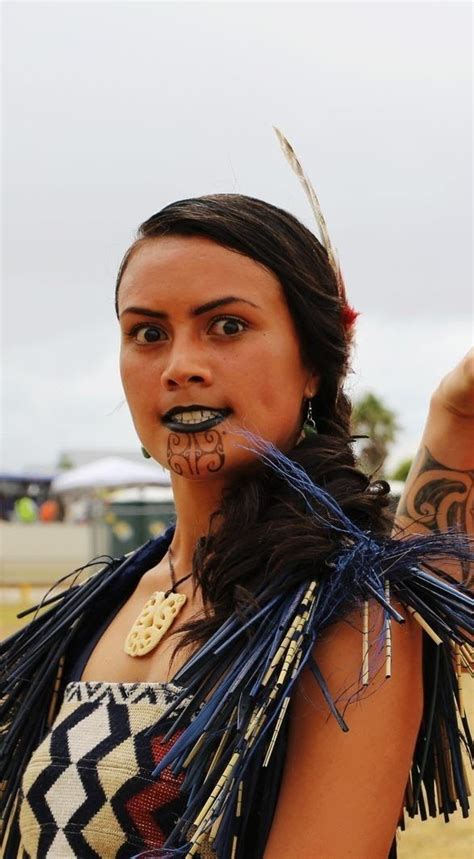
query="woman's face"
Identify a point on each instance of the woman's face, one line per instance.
(208, 347)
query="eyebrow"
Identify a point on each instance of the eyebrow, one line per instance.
(195, 311)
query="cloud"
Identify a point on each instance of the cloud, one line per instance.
(113, 110)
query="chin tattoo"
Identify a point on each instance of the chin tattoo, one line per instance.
(199, 453)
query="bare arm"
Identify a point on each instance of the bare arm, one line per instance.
(439, 492)
(342, 793)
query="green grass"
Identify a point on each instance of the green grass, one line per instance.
(9, 622)
(8, 617)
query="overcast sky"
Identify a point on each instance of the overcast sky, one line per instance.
(112, 110)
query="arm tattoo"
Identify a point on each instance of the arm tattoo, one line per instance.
(440, 498)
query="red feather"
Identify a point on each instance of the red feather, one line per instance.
(348, 316)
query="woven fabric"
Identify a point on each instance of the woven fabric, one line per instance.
(88, 790)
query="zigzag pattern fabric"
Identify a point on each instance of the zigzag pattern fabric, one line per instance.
(88, 790)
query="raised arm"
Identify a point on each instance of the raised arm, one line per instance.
(439, 492)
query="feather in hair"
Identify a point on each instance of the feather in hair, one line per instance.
(348, 314)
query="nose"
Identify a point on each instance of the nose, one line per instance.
(186, 367)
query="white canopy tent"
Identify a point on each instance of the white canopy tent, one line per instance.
(150, 494)
(110, 473)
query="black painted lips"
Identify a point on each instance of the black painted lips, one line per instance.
(176, 426)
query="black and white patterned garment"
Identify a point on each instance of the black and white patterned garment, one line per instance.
(87, 791)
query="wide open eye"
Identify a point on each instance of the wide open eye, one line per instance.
(230, 325)
(143, 334)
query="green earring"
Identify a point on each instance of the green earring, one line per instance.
(309, 427)
(145, 453)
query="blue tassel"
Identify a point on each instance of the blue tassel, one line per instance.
(357, 572)
(234, 679)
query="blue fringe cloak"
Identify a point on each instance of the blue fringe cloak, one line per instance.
(232, 749)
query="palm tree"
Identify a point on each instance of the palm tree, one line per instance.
(401, 471)
(373, 419)
(65, 462)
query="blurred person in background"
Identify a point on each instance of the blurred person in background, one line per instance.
(26, 509)
(51, 510)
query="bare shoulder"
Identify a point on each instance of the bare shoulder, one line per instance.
(342, 792)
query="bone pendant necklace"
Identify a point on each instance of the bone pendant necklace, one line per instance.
(156, 617)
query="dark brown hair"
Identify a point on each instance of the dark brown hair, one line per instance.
(276, 534)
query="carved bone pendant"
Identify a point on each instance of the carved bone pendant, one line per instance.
(154, 620)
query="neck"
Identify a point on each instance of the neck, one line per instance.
(194, 504)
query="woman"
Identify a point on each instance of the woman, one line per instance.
(235, 345)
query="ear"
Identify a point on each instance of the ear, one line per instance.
(312, 385)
